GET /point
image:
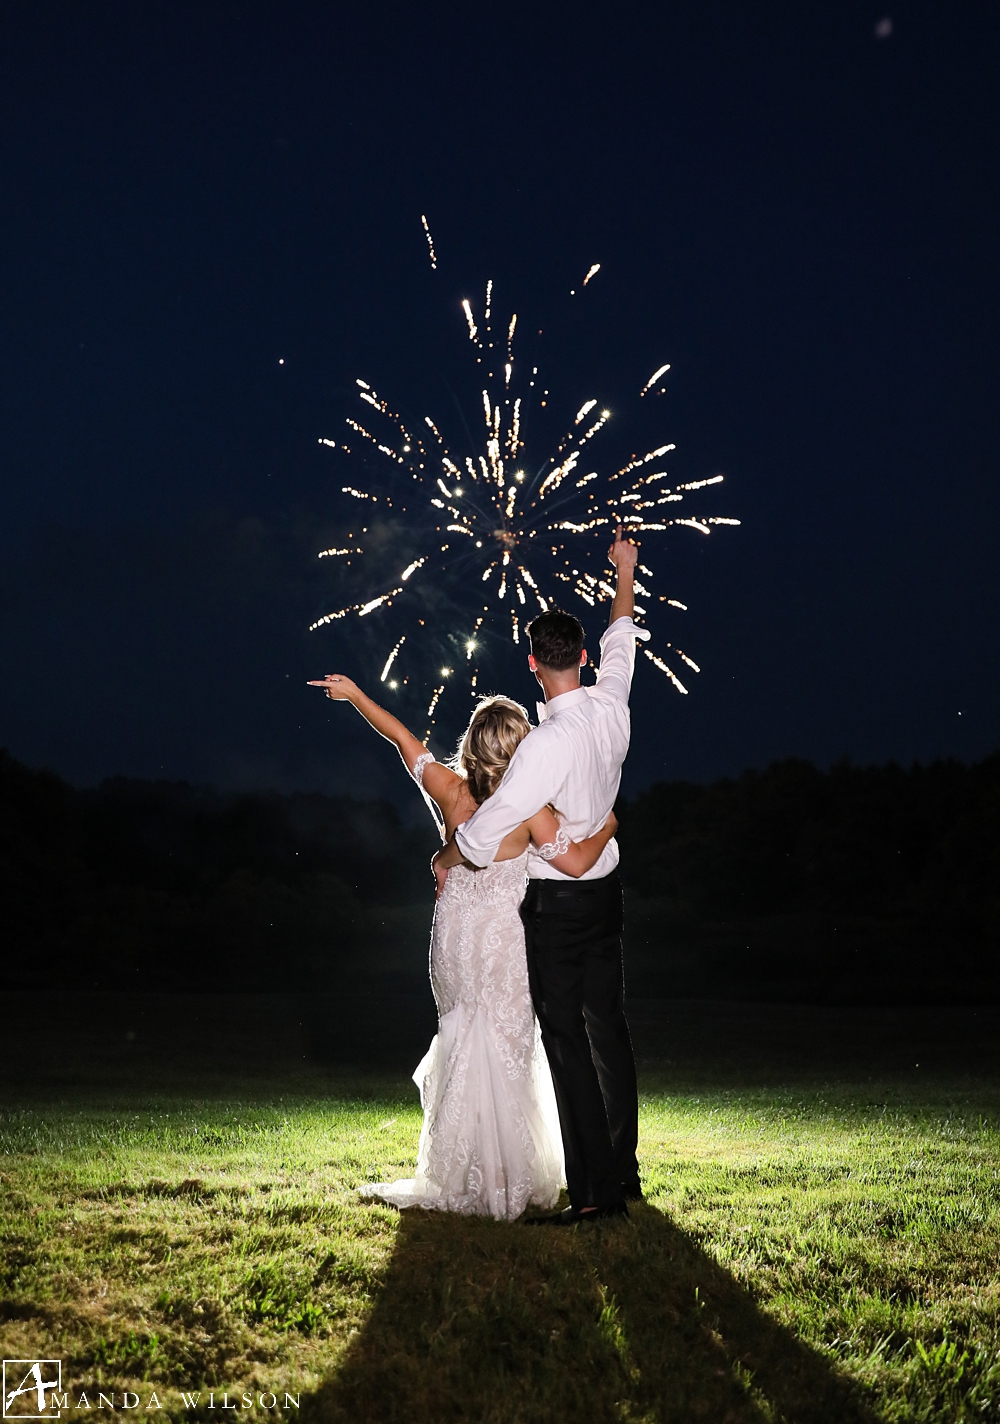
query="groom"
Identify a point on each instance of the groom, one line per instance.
(573, 927)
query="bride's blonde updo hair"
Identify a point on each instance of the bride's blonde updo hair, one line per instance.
(496, 728)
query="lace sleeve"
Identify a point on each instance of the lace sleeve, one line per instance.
(419, 767)
(559, 846)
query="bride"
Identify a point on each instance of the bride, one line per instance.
(490, 1143)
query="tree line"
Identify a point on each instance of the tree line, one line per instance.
(857, 884)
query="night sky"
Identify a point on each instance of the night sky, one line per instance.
(795, 205)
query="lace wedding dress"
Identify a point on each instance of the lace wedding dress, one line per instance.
(490, 1143)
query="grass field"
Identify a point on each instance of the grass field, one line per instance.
(827, 1250)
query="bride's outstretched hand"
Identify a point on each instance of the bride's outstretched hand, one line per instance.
(340, 688)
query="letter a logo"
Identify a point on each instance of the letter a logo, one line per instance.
(25, 1388)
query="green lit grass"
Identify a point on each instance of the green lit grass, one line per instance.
(814, 1255)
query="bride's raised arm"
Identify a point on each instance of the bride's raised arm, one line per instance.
(571, 857)
(437, 780)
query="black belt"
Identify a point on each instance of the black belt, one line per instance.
(558, 893)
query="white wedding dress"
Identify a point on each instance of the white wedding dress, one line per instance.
(490, 1143)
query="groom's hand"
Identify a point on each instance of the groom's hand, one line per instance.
(623, 553)
(446, 857)
(440, 873)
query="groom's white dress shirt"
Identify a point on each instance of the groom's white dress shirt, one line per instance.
(572, 759)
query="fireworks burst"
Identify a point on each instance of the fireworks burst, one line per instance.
(469, 547)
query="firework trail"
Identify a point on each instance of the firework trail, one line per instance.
(468, 548)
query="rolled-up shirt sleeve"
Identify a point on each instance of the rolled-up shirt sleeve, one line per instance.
(526, 787)
(614, 676)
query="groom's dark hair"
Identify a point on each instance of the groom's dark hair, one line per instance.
(556, 639)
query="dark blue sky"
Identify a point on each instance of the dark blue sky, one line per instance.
(801, 216)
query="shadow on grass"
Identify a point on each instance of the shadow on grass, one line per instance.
(477, 1320)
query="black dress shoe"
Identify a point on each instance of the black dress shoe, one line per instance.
(572, 1217)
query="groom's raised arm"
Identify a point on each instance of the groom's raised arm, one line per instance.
(614, 675)
(526, 787)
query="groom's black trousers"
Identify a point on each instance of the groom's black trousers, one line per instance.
(573, 935)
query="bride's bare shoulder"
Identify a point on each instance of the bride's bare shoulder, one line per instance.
(441, 782)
